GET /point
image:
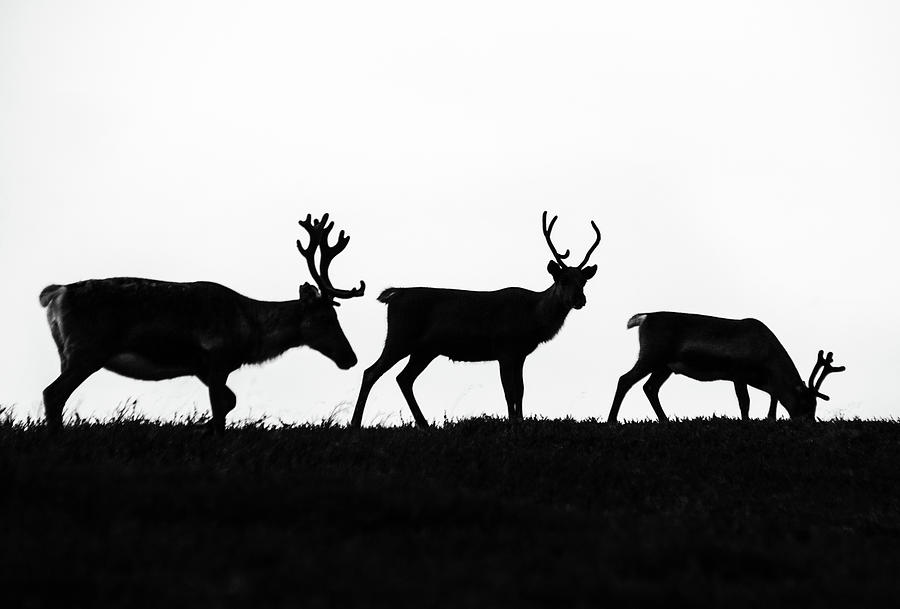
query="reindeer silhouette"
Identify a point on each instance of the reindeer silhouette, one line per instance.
(504, 326)
(153, 330)
(743, 351)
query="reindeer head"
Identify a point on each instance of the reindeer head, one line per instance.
(806, 395)
(320, 325)
(569, 281)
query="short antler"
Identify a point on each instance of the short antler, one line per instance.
(319, 230)
(823, 363)
(559, 258)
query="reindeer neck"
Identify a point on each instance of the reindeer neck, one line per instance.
(551, 313)
(277, 327)
(787, 380)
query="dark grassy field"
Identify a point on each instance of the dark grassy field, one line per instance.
(478, 513)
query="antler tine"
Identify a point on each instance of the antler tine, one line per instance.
(328, 254)
(547, 229)
(593, 247)
(319, 231)
(827, 368)
(820, 361)
(309, 252)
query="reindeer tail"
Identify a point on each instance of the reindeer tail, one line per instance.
(386, 296)
(49, 293)
(636, 320)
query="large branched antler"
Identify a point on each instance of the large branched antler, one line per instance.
(823, 363)
(593, 247)
(547, 229)
(318, 231)
(559, 258)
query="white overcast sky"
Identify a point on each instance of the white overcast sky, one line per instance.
(741, 159)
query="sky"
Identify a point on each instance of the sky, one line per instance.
(740, 159)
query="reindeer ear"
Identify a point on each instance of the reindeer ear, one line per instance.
(308, 291)
(589, 271)
(554, 269)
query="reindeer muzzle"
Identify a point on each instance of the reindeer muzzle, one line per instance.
(349, 362)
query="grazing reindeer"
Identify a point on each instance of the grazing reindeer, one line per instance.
(743, 351)
(153, 330)
(504, 325)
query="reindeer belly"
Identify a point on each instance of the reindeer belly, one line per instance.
(462, 353)
(698, 373)
(137, 366)
(704, 367)
(459, 348)
(474, 351)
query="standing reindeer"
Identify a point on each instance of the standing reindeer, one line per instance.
(743, 351)
(503, 325)
(153, 330)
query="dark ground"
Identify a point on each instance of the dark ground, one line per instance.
(549, 513)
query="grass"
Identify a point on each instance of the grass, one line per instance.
(553, 513)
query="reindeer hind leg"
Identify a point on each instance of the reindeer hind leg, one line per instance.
(74, 372)
(60, 345)
(391, 354)
(416, 365)
(626, 382)
(651, 389)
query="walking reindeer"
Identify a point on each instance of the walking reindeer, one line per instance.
(504, 326)
(743, 351)
(153, 330)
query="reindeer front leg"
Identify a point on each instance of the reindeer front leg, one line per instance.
(743, 399)
(513, 386)
(773, 408)
(221, 399)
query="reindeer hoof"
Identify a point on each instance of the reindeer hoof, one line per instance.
(211, 429)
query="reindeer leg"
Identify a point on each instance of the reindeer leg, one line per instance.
(385, 362)
(222, 401)
(743, 400)
(520, 388)
(414, 367)
(74, 372)
(773, 408)
(513, 385)
(651, 388)
(626, 382)
(510, 386)
(60, 346)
